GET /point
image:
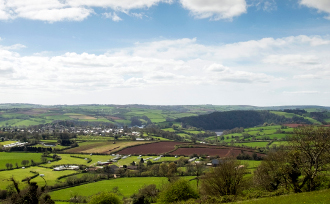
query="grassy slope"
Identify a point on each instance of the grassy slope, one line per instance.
(290, 115)
(320, 197)
(127, 186)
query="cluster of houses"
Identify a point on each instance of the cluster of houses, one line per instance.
(77, 130)
(16, 144)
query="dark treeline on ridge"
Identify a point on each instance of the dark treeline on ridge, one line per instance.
(232, 119)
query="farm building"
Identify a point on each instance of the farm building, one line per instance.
(62, 168)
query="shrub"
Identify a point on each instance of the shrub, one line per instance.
(105, 198)
(179, 190)
(147, 194)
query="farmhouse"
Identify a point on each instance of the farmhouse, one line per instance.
(62, 168)
(99, 163)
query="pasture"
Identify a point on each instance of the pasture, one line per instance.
(7, 142)
(67, 159)
(319, 197)
(19, 174)
(13, 158)
(127, 186)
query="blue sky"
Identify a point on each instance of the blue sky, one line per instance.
(237, 52)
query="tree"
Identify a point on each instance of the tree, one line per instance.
(105, 198)
(172, 169)
(32, 194)
(301, 166)
(147, 194)
(108, 171)
(149, 163)
(272, 172)
(226, 179)
(163, 169)
(180, 190)
(311, 148)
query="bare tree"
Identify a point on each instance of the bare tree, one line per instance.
(226, 179)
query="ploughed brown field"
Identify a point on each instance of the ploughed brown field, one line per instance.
(105, 147)
(222, 152)
(153, 148)
(294, 125)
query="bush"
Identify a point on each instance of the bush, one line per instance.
(147, 194)
(179, 190)
(105, 198)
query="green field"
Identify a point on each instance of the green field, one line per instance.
(316, 197)
(13, 158)
(19, 174)
(290, 115)
(67, 159)
(7, 142)
(127, 186)
(253, 144)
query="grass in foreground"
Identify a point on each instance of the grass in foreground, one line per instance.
(320, 197)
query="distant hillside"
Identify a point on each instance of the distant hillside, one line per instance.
(23, 115)
(232, 119)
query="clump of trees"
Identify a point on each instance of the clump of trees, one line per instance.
(302, 167)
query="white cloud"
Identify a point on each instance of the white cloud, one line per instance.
(215, 9)
(292, 60)
(222, 73)
(72, 10)
(301, 92)
(138, 15)
(307, 76)
(265, 66)
(320, 5)
(266, 5)
(113, 16)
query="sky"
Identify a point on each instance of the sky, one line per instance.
(165, 52)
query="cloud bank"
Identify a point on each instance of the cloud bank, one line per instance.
(214, 9)
(320, 5)
(72, 10)
(265, 64)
